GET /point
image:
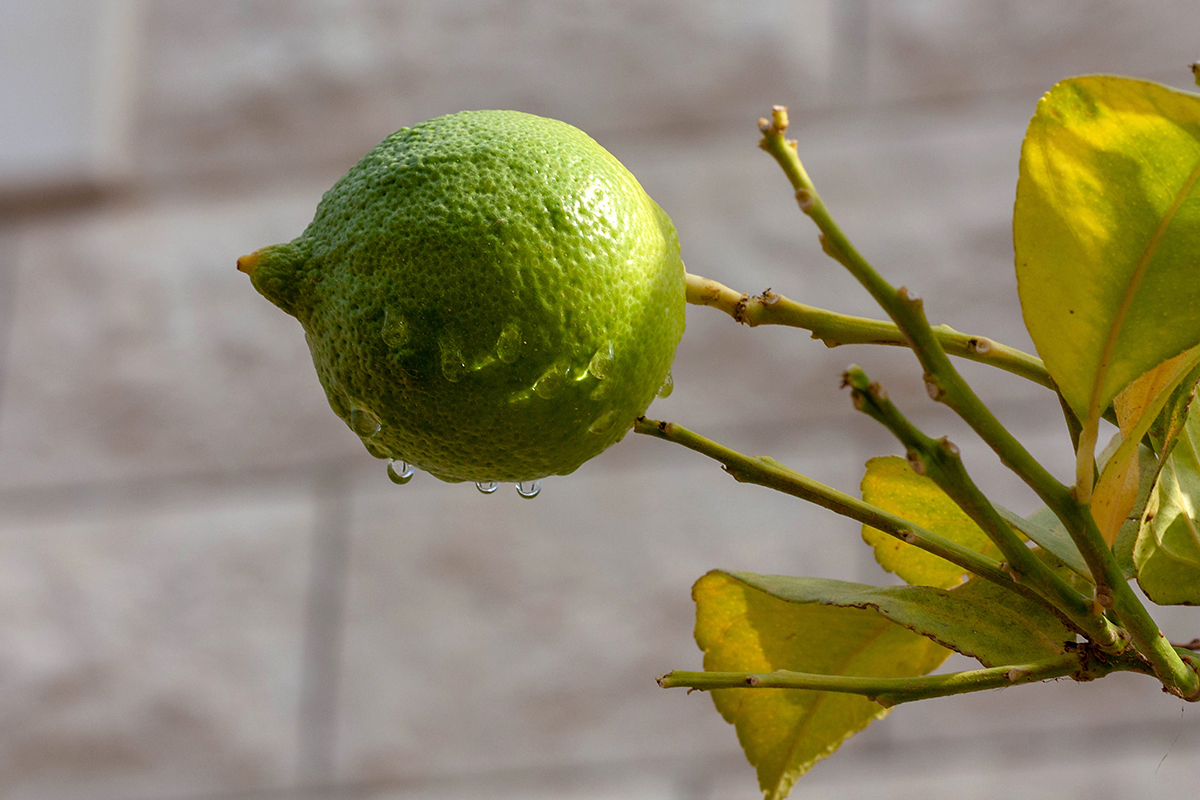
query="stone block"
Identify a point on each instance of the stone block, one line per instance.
(967, 48)
(253, 86)
(135, 349)
(151, 649)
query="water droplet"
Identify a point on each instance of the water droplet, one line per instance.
(602, 362)
(395, 329)
(487, 487)
(401, 472)
(604, 423)
(363, 422)
(508, 346)
(454, 366)
(552, 382)
(529, 489)
(668, 386)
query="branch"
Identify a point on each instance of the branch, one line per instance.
(1081, 665)
(939, 460)
(835, 329)
(764, 471)
(945, 384)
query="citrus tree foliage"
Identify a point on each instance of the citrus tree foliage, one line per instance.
(1106, 228)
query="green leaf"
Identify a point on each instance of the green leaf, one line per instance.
(1105, 228)
(1166, 555)
(891, 484)
(978, 619)
(761, 623)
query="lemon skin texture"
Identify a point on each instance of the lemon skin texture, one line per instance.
(488, 296)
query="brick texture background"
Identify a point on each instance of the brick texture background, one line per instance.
(209, 590)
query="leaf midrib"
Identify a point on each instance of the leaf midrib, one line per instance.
(1110, 344)
(823, 696)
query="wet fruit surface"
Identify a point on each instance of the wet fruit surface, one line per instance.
(488, 296)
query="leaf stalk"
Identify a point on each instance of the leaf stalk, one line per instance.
(765, 471)
(834, 329)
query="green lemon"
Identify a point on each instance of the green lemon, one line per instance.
(488, 296)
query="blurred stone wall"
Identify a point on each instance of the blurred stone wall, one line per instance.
(208, 589)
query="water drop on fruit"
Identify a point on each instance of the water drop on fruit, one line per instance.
(508, 346)
(454, 366)
(668, 386)
(395, 329)
(400, 472)
(552, 382)
(529, 489)
(363, 422)
(602, 362)
(604, 423)
(487, 487)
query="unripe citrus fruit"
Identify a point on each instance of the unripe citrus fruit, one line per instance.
(489, 296)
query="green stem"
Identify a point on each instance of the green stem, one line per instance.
(764, 471)
(939, 460)
(835, 329)
(1078, 664)
(946, 385)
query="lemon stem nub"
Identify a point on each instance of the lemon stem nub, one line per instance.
(247, 264)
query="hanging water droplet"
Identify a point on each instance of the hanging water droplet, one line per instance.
(487, 487)
(604, 423)
(552, 382)
(508, 346)
(668, 386)
(363, 422)
(395, 329)
(454, 366)
(602, 362)
(401, 472)
(529, 489)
